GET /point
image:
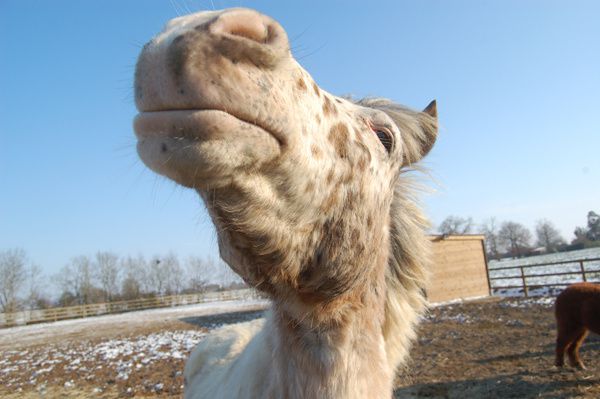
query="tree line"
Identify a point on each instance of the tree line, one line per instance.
(106, 277)
(512, 239)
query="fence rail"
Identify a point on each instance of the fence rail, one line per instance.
(526, 276)
(74, 312)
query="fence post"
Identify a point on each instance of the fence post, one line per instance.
(525, 290)
(582, 270)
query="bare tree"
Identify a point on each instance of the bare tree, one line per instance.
(157, 275)
(490, 230)
(135, 281)
(203, 272)
(138, 269)
(225, 276)
(547, 235)
(75, 278)
(198, 273)
(13, 274)
(174, 274)
(107, 273)
(35, 288)
(515, 237)
(456, 225)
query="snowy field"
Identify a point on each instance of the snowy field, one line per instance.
(44, 332)
(114, 349)
(142, 354)
(44, 348)
(589, 253)
(592, 269)
(123, 356)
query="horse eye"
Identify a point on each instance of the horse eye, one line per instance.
(386, 139)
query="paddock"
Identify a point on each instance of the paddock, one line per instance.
(492, 348)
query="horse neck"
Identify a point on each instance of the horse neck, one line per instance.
(337, 349)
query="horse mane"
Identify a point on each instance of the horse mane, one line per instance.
(409, 262)
(407, 273)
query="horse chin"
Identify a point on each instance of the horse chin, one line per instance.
(203, 149)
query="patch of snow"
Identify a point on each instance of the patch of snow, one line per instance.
(589, 253)
(438, 318)
(456, 301)
(122, 355)
(534, 274)
(8, 336)
(528, 302)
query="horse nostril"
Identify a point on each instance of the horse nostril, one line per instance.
(244, 23)
(257, 32)
(247, 36)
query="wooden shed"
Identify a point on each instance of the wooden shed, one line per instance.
(459, 268)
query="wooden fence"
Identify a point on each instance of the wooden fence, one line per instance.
(74, 312)
(460, 271)
(537, 277)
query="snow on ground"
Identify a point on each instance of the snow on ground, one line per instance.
(589, 253)
(106, 350)
(36, 332)
(545, 301)
(85, 359)
(148, 360)
(451, 310)
(535, 275)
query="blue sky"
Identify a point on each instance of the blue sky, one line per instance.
(517, 84)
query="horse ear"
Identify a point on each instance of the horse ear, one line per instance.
(430, 128)
(431, 109)
(425, 137)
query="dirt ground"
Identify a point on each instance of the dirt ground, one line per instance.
(495, 349)
(478, 349)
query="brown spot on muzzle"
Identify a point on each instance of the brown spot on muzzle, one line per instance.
(179, 53)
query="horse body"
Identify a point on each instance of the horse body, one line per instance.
(577, 311)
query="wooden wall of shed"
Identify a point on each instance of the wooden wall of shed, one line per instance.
(459, 268)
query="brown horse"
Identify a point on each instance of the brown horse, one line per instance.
(577, 311)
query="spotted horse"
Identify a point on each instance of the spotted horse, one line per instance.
(311, 202)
